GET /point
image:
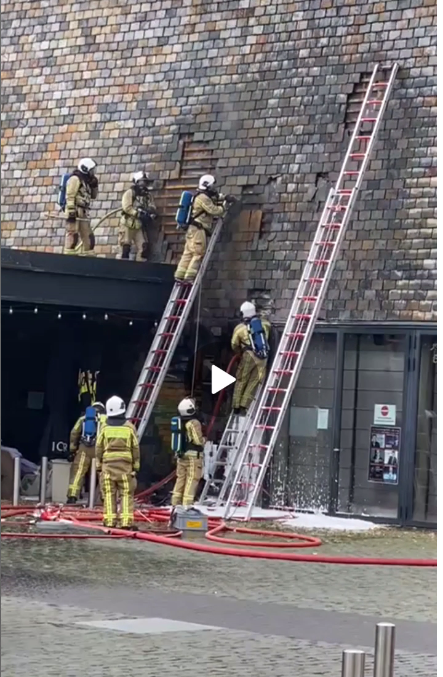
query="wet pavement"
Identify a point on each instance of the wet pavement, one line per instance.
(265, 617)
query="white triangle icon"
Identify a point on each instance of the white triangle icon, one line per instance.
(220, 379)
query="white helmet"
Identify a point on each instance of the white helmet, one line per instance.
(86, 165)
(115, 406)
(248, 310)
(187, 407)
(99, 406)
(206, 181)
(140, 176)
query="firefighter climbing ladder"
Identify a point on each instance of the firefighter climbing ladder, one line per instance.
(263, 431)
(165, 342)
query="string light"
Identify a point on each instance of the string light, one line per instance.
(130, 323)
(46, 312)
(106, 316)
(10, 311)
(59, 316)
(84, 316)
(35, 311)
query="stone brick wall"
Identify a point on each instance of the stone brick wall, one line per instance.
(261, 90)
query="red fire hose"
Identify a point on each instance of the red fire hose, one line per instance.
(214, 534)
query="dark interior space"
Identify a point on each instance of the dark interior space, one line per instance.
(42, 354)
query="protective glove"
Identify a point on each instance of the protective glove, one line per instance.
(71, 217)
(71, 456)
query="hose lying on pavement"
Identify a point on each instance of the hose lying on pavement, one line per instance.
(216, 529)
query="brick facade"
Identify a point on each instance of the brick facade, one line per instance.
(263, 92)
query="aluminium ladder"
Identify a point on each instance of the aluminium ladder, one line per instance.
(227, 454)
(165, 342)
(263, 432)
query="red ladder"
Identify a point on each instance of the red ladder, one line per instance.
(165, 342)
(258, 445)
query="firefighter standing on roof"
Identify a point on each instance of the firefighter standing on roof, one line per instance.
(138, 212)
(190, 460)
(81, 190)
(118, 461)
(82, 447)
(252, 368)
(205, 207)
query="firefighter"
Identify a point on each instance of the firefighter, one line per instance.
(82, 447)
(138, 212)
(118, 461)
(250, 340)
(190, 460)
(81, 190)
(207, 205)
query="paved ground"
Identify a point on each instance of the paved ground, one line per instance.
(270, 618)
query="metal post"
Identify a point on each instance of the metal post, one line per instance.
(353, 663)
(384, 650)
(92, 483)
(43, 479)
(17, 477)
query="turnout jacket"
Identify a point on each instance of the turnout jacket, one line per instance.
(117, 446)
(241, 341)
(204, 210)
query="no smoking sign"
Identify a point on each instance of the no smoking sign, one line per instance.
(385, 414)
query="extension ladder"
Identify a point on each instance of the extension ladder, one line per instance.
(264, 430)
(165, 342)
(227, 454)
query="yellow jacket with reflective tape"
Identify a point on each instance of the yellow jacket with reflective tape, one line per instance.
(76, 432)
(131, 203)
(195, 441)
(204, 210)
(241, 340)
(117, 446)
(79, 195)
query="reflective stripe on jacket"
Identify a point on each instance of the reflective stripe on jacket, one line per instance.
(118, 445)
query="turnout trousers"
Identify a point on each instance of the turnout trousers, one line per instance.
(189, 473)
(79, 468)
(250, 373)
(79, 230)
(195, 248)
(115, 484)
(136, 236)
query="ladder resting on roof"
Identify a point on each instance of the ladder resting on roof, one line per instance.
(263, 431)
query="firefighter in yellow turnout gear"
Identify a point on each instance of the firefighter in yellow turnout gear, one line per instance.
(82, 446)
(118, 461)
(81, 190)
(138, 211)
(190, 462)
(252, 368)
(205, 207)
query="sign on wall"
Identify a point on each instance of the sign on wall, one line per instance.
(385, 414)
(384, 449)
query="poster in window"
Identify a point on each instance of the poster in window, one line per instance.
(384, 449)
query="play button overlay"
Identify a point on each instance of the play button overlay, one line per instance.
(220, 379)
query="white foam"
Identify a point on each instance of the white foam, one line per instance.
(321, 521)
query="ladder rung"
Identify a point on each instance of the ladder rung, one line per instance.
(363, 138)
(145, 385)
(295, 334)
(167, 333)
(262, 446)
(159, 350)
(309, 299)
(265, 427)
(369, 119)
(372, 102)
(272, 408)
(357, 155)
(282, 371)
(173, 317)
(152, 368)
(345, 191)
(351, 172)
(320, 262)
(380, 84)
(278, 390)
(332, 226)
(181, 301)
(327, 244)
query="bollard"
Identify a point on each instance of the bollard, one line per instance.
(353, 663)
(17, 478)
(92, 484)
(43, 479)
(384, 650)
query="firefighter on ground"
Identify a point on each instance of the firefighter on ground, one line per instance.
(208, 204)
(138, 212)
(118, 461)
(82, 447)
(81, 190)
(189, 456)
(251, 340)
